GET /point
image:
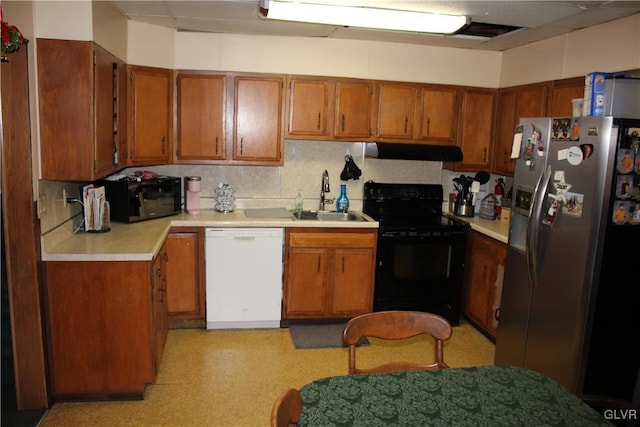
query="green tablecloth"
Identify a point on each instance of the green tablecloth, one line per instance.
(478, 396)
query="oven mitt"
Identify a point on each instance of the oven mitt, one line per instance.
(351, 170)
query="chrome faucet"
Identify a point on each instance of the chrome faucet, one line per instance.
(324, 188)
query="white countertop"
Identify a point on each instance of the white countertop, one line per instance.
(497, 229)
(142, 240)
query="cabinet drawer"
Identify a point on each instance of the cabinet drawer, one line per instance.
(325, 240)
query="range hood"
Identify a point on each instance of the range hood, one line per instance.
(398, 151)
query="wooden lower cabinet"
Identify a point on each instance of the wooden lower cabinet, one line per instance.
(328, 273)
(106, 327)
(483, 281)
(185, 277)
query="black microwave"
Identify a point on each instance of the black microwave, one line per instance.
(133, 200)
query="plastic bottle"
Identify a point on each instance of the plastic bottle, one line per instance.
(299, 202)
(342, 202)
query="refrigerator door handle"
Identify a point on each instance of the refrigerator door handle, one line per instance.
(534, 222)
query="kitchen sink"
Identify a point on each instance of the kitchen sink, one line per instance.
(328, 216)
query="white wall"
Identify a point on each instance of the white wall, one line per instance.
(610, 47)
(332, 57)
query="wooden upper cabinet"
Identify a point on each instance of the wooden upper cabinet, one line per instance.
(201, 117)
(258, 119)
(505, 126)
(308, 102)
(476, 128)
(438, 116)
(150, 115)
(397, 106)
(562, 92)
(515, 103)
(353, 109)
(82, 126)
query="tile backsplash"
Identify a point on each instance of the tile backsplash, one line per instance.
(272, 186)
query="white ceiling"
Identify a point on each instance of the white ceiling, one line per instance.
(540, 19)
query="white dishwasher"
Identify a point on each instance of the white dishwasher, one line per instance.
(243, 277)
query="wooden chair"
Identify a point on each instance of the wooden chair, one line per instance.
(396, 325)
(287, 409)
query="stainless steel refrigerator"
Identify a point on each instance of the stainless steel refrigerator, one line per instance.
(571, 298)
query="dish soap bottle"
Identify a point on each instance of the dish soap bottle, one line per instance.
(342, 202)
(299, 203)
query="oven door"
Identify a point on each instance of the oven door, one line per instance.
(421, 270)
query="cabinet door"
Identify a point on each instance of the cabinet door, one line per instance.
(184, 271)
(201, 117)
(352, 278)
(159, 297)
(505, 127)
(305, 289)
(79, 110)
(477, 289)
(493, 316)
(353, 102)
(476, 129)
(482, 281)
(106, 99)
(308, 107)
(439, 114)
(100, 327)
(514, 104)
(150, 115)
(562, 92)
(258, 116)
(396, 111)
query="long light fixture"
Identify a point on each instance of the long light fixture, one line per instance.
(362, 17)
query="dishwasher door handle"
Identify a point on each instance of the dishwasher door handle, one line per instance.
(250, 238)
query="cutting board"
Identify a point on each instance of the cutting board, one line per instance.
(268, 213)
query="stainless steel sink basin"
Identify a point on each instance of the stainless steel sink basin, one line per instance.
(328, 216)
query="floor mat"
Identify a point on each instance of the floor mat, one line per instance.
(319, 336)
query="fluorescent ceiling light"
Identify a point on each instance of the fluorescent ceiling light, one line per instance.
(363, 17)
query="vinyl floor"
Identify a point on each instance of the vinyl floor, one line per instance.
(230, 378)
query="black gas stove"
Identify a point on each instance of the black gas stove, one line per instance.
(420, 258)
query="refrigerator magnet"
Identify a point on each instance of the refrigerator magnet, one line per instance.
(574, 155)
(561, 186)
(635, 215)
(625, 161)
(552, 206)
(574, 204)
(587, 150)
(624, 186)
(620, 212)
(516, 145)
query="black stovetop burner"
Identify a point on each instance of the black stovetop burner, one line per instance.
(404, 205)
